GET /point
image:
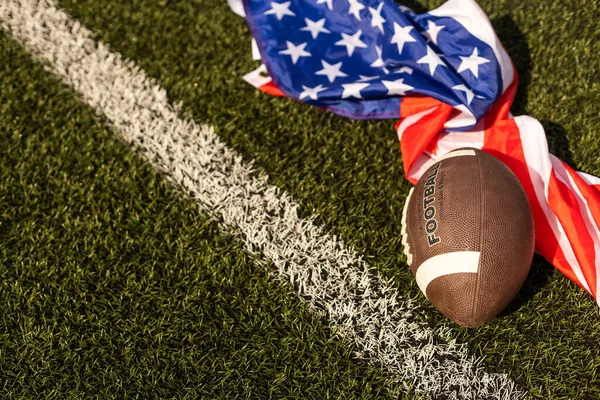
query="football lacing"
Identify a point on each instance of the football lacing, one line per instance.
(406, 250)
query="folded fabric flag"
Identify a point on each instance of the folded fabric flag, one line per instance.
(445, 75)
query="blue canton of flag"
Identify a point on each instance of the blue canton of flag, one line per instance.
(358, 58)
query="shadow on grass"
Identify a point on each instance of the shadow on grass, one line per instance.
(413, 5)
(558, 142)
(539, 276)
(515, 43)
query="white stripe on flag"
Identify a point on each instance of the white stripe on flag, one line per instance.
(331, 278)
(237, 6)
(255, 51)
(445, 143)
(258, 77)
(422, 164)
(412, 120)
(461, 117)
(449, 141)
(591, 179)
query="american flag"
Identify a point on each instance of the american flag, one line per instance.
(449, 82)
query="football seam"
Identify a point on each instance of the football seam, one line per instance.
(522, 189)
(404, 230)
(457, 153)
(481, 214)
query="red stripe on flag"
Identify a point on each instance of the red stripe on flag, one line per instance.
(271, 89)
(566, 207)
(418, 136)
(415, 104)
(589, 198)
(500, 111)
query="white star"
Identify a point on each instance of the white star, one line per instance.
(401, 36)
(353, 90)
(467, 91)
(315, 27)
(328, 2)
(376, 18)
(472, 63)
(280, 10)
(378, 63)
(397, 87)
(295, 51)
(408, 70)
(332, 71)
(432, 59)
(433, 30)
(351, 42)
(367, 78)
(355, 8)
(311, 92)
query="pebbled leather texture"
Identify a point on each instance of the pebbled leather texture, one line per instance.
(477, 204)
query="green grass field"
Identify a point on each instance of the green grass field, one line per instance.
(114, 285)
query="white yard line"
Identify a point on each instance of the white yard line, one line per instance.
(330, 277)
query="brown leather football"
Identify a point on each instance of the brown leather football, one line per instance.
(468, 234)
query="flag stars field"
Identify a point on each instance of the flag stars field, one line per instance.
(373, 46)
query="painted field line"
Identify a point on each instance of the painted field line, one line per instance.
(330, 277)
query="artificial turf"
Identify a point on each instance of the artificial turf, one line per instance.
(114, 285)
(109, 276)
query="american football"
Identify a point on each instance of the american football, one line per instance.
(468, 235)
